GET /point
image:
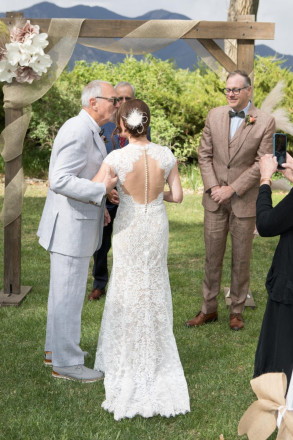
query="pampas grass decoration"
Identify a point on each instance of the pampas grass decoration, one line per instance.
(281, 116)
(274, 98)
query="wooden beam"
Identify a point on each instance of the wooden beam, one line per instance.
(245, 56)
(204, 29)
(13, 293)
(218, 54)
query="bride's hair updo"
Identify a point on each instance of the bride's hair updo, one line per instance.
(135, 115)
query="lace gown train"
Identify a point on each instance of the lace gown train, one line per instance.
(137, 349)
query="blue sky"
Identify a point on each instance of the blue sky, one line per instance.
(277, 11)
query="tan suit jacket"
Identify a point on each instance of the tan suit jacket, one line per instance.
(234, 162)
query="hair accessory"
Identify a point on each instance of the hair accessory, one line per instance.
(136, 119)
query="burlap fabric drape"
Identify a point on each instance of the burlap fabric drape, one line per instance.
(262, 417)
(149, 37)
(62, 36)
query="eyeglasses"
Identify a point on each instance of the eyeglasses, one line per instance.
(124, 98)
(234, 91)
(113, 100)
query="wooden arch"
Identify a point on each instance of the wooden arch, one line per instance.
(245, 31)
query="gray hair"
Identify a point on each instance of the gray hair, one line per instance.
(123, 84)
(92, 90)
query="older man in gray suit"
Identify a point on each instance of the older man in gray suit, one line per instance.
(71, 226)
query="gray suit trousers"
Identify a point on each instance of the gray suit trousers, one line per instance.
(68, 279)
(217, 224)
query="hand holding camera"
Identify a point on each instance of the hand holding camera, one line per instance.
(288, 168)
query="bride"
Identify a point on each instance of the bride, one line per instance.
(136, 349)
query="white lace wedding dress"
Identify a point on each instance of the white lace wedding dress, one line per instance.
(137, 350)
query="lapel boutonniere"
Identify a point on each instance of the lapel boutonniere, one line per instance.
(250, 120)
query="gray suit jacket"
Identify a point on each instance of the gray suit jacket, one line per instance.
(234, 162)
(73, 216)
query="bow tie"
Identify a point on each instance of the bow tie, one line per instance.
(239, 114)
(101, 132)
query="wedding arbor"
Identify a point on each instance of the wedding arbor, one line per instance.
(135, 36)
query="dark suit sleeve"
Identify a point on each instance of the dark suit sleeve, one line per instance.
(273, 221)
(108, 130)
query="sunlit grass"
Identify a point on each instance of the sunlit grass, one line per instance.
(218, 363)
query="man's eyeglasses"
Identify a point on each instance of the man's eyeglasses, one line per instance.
(234, 91)
(113, 100)
(124, 98)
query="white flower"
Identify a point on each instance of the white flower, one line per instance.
(17, 55)
(41, 64)
(39, 41)
(7, 72)
(134, 119)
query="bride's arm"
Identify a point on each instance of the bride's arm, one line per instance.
(99, 177)
(107, 176)
(175, 194)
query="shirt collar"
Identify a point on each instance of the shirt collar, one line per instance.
(245, 110)
(93, 121)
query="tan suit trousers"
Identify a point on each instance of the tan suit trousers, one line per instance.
(217, 224)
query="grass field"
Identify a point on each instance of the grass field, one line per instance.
(218, 363)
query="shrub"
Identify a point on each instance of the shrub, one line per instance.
(179, 100)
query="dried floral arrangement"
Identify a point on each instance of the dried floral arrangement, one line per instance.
(22, 55)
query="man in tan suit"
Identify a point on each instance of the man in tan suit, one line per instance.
(234, 138)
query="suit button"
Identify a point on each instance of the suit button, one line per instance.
(228, 167)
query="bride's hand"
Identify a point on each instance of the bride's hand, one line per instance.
(113, 197)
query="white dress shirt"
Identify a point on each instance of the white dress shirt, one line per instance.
(237, 121)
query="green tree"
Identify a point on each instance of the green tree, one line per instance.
(179, 101)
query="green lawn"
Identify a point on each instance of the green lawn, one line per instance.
(218, 363)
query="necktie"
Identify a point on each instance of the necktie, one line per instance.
(239, 114)
(101, 132)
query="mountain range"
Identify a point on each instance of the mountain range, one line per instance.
(180, 52)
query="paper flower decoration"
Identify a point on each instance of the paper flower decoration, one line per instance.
(261, 418)
(22, 53)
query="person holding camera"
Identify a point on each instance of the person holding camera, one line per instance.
(275, 349)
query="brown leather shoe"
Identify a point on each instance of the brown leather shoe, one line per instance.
(48, 358)
(236, 321)
(202, 318)
(96, 294)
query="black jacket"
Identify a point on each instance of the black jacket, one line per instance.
(277, 221)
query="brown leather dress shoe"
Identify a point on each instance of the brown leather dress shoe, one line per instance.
(202, 318)
(96, 294)
(48, 359)
(236, 321)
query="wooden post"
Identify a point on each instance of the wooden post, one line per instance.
(245, 50)
(13, 292)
